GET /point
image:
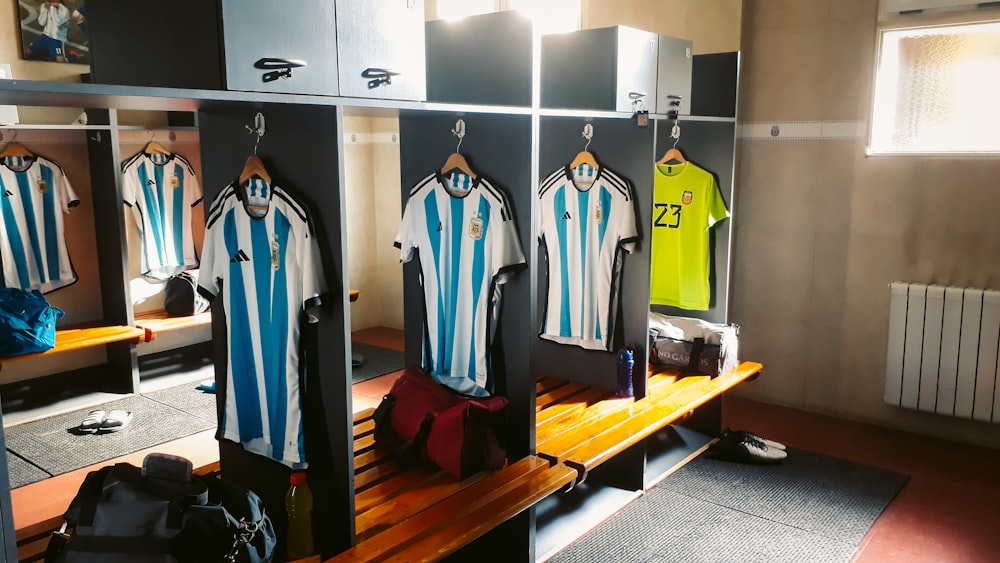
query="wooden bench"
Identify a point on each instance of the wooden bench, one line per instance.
(583, 427)
(418, 514)
(158, 321)
(77, 338)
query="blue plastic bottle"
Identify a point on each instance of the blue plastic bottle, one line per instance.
(626, 361)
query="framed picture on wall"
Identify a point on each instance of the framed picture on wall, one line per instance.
(54, 30)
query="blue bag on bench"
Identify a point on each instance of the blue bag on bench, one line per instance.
(27, 322)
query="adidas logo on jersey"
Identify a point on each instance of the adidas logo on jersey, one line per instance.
(7, 193)
(567, 216)
(240, 257)
(440, 227)
(151, 182)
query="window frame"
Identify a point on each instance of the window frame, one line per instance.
(919, 22)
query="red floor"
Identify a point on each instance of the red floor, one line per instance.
(949, 511)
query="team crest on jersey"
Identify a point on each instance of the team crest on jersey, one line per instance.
(43, 186)
(687, 197)
(275, 254)
(476, 228)
(175, 182)
(598, 213)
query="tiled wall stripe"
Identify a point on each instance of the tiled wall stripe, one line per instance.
(800, 130)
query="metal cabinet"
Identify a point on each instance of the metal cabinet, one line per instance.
(259, 34)
(375, 39)
(673, 75)
(483, 59)
(599, 69)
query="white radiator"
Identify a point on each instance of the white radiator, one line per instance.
(943, 344)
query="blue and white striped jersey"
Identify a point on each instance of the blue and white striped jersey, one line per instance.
(260, 250)
(34, 196)
(585, 216)
(468, 247)
(161, 190)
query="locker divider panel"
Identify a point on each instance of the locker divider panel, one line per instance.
(301, 149)
(628, 150)
(499, 148)
(112, 252)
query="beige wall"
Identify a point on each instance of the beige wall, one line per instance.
(372, 185)
(821, 229)
(713, 26)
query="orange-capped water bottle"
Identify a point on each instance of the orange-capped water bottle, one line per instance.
(298, 505)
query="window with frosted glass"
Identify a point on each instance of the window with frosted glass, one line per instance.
(937, 90)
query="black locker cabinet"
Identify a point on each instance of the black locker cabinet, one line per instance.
(599, 69)
(483, 60)
(373, 37)
(262, 33)
(673, 76)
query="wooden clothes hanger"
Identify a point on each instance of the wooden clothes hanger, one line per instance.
(254, 167)
(584, 157)
(16, 149)
(672, 153)
(457, 162)
(13, 148)
(153, 147)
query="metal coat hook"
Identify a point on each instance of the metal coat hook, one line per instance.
(459, 131)
(588, 133)
(258, 129)
(675, 131)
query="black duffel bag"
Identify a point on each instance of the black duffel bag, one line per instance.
(163, 514)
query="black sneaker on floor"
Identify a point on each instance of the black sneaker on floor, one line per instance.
(739, 435)
(748, 449)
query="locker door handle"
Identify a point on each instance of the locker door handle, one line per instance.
(378, 76)
(280, 68)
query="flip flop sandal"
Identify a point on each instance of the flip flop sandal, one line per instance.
(93, 421)
(116, 420)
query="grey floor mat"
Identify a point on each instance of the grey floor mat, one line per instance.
(378, 361)
(51, 444)
(23, 473)
(187, 398)
(808, 508)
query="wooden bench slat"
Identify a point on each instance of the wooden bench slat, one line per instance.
(661, 380)
(375, 474)
(371, 457)
(363, 415)
(405, 505)
(590, 415)
(577, 402)
(662, 411)
(159, 321)
(364, 444)
(454, 507)
(544, 384)
(364, 428)
(558, 394)
(460, 531)
(364, 499)
(556, 442)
